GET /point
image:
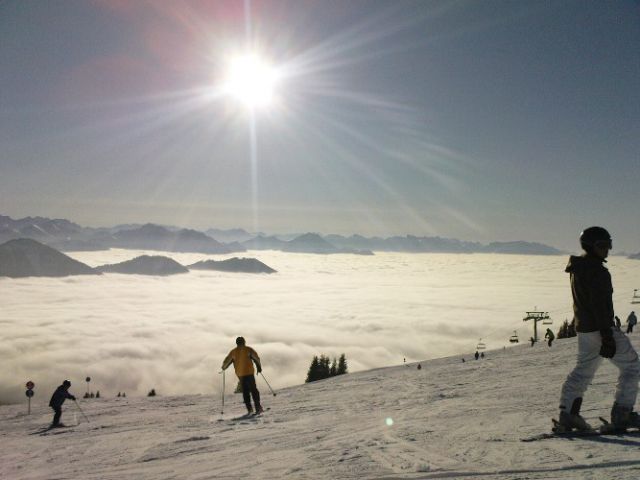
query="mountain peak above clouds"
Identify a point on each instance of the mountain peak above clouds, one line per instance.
(26, 257)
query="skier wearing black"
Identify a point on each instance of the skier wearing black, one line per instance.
(549, 336)
(243, 357)
(592, 292)
(631, 322)
(57, 399)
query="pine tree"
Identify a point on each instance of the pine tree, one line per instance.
(325, 367)
(571, 332)
(564, 330)
(334, 368)
(342, 365)
(312, 374)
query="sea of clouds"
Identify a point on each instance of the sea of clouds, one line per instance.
(132, 333)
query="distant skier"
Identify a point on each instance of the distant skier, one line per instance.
(482, 355)
(532, 340)
(592, 292)
(57, 399)
(618, 322)
(549, 336)
(243, 357)
(631, 322)
(477, 355)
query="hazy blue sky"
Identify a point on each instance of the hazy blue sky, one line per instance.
(481, 120)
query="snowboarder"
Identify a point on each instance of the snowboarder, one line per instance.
(243, 357)
(549, 336)
(631, 322)
(57, 399)
(477, 355)
(592, 292)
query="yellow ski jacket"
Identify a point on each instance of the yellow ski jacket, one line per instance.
(242, 358)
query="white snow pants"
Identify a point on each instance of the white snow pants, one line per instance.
(589, 359)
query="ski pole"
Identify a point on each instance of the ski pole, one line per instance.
(265, 379)
(85, 417)
(223, 386)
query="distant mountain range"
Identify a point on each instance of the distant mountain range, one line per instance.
(68, 236)
(26, 257)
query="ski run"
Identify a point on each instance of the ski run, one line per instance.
(447, 420)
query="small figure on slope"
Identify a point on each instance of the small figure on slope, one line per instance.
(243, 357)
(549, 336)
(533, 341)
(631, 322)
(476, 355)
(57, 399)
(592, 292)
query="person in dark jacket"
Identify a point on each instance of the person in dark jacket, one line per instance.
(57, 399)
(549, 336)
(592, 292)
(631, 322)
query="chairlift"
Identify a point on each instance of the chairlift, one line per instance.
(481, 346)
(547, 320)
(514, 337)
(636, 297)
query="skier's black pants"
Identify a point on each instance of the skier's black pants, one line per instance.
(249, 390)
(56, 415)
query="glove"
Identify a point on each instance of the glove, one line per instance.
(608, 348)
(259, 369)
(73, 398)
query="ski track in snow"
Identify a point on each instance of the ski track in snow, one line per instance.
(450, 420)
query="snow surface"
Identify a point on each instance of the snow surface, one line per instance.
(448, 420)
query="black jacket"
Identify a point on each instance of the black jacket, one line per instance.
(592, 293)
(59, 396)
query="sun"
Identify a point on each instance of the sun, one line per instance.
(251, 80)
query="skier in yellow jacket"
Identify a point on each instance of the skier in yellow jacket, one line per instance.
(243, 358)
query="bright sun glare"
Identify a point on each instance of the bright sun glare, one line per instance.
(251, 80)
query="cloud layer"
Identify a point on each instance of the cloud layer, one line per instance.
(132, 333)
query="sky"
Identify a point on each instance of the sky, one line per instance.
(482, 121)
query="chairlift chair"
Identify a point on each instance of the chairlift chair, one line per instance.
(636, 297)
(514, 337)
(547, 320)
(481, 346)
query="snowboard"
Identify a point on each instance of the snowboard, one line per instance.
(606, 429)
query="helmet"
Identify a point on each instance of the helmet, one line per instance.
(66, 383)
(240, 341)
(594, 236)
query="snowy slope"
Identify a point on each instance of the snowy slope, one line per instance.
(448, 420)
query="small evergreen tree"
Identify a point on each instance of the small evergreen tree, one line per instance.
(342, 365)
(325, 367)
(572, 328)
(334, 368)
(563, 331)
(312, 374)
